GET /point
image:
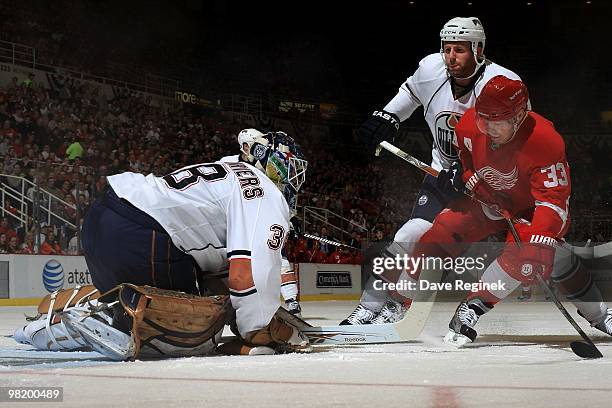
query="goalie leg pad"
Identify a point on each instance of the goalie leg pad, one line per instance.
(50, 334)
(98, 333)
(46, 331)
(169, 323)
(62, 299)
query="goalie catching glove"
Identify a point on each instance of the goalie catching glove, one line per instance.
(282, 335)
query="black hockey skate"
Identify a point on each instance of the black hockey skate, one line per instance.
(461, 327)
(605, 324)
(393, 311)
(361, 315)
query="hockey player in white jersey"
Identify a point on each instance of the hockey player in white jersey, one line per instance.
(445, 84)
(289, 288)
(227, 220)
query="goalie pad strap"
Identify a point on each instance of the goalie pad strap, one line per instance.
(64, 298)
(52, 299)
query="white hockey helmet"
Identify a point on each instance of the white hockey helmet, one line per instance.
(465, 29)
(248, 136)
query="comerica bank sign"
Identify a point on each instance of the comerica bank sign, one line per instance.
(330, 279)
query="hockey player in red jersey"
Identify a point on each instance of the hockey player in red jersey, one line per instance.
(514, 160)
(446, 84)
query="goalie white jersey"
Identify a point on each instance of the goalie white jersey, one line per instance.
(230, 159)
(219, 212)
(430, 86)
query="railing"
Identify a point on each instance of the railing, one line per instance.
(23, 55)
(35, 204)
(340, 227)
(17, 54)
(143, 81)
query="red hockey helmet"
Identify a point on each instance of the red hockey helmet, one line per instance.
(501, 108)
(502, 98)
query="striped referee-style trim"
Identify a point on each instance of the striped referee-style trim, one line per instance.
(239, 253)
(289, 283)
(243, 293)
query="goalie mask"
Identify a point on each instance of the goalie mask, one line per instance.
(281, 159)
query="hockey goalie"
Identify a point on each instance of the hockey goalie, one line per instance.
(156, 246)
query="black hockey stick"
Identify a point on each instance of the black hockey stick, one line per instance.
(584, 349)
(433, 172)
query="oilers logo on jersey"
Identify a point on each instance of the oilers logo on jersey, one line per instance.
(444, 139)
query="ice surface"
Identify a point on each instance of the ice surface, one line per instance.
(521, 358)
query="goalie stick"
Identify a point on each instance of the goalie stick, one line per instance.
(407, 329)
(584, 349)
(328, 241)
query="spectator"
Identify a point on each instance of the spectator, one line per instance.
(75, 149)
(355, 241)
(69, 209)
(29, 81)
(44, 232)
(379, 236)
(8, 133)
(314, 254)
(6, 229)
(14, 180)
(13, 246)
(25, 229)
(28, 246)
(325, 247)
(340, 256)
(51, 246)
(3, 244)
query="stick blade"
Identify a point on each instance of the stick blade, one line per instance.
(585, 350)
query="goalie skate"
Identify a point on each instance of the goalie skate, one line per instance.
(293, 307)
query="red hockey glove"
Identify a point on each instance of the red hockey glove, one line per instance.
(537, 253)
